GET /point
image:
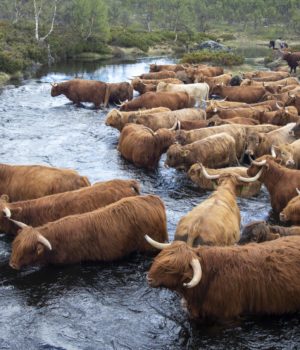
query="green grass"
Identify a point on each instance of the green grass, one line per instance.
(223, 58)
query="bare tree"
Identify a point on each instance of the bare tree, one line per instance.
(37, 15)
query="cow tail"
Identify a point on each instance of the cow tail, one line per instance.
(107, 95)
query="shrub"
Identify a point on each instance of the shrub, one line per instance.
(217, 57)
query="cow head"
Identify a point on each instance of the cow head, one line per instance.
(257, 232)
(55, 90)
(7, 214)
(29, 248)
(284, 153)
(260, 164)
(176, 267)
(253, 141)
(114, 119)
(292, 210)
(176, 157)
(296, 130)
(162, 86)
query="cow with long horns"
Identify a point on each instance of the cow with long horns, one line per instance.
(280, 181)
(221, 283)
(105, 234)
(22, 182)
(37, 212)
(215, 221)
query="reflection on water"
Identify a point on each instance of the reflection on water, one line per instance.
(105, 306)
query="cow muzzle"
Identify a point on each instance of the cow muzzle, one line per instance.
(14, 266)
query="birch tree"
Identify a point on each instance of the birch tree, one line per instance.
(39, 10)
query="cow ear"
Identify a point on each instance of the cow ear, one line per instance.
(5, 198)
(40, 249)
(184, 152)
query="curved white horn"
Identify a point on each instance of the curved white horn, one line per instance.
(44, 241)
(205, 173)
(7, 212)
(250, 179)
(179, 125)
(174, 126)
(18, 223)
(156, 244)
(261, 163)
(197, 274)
(273, 153)
(298, 192)
(277, 105)
(150, 130)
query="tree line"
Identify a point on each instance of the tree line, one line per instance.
(86, 18)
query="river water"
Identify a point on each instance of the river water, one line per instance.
(101, 305)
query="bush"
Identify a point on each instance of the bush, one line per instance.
(227, 37)
(217, 57)
(10, 63)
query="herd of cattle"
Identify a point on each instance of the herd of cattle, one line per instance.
(58, 217)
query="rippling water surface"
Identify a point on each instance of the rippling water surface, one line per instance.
(105, 306)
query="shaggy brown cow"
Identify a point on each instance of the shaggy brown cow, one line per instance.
(243, 190)
(214, 151)
(266, 75)
(288, 154)
(286, 98)
(144, 147)
(193, 124)
(118, 120)
(118, 92)
(259, 143)
(239, 112)
(219, 283)
(238, 132)
(278, 83)
(292, 59)
(36, 212)
(158, 75)
(197, 74)
(212, 81)
(168, 119)
(297, 102)
(172, 100)
(146, 85)
(167, 67)
(291, 212)
(260, 231)
(280, 181)
(105, 234)
(79, 90)
(22, 182)
(281, 117)
(217, 121)
(248, 94)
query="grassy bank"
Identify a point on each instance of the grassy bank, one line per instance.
(216, 57)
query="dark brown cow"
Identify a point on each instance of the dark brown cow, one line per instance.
(248, 94)
(79, 90)
(144, 147)
(291, 213)
(172, 100)
(214, 151)
(37, 212)
(292, 59)
(22, 182)
(105, 234)
(260, 231)
(158, 75)
(219, 283)
(146, 85)
(281, 117)
(280, 181)
(118, 92)
(167, 67)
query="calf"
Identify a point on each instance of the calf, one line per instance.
(291, 213)
(288, 154)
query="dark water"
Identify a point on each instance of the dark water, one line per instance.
(105, 306)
